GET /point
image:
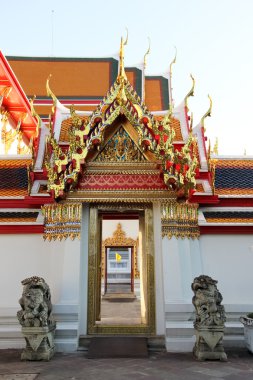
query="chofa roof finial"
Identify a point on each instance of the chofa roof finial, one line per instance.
(122, 73)
(145, 55)
(190, 93)
(208, 112)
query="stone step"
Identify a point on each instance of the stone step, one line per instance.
(155, 343)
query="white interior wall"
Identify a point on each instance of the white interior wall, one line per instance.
(131, 228)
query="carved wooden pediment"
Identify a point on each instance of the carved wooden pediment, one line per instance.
(121, 148)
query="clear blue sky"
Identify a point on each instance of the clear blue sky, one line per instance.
(214, 39)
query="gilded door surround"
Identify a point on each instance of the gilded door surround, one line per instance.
(147, 328)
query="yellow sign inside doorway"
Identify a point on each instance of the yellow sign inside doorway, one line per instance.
(117, 257)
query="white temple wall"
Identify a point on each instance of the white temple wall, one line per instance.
(229, 260)
(226, 258)
(21, 256)
(26, 255)
(181, 263)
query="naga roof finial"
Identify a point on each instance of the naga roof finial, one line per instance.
(208, 112)
(50, 93)
(191, 92)
(122, 73)
(145, 55)
(35, 114)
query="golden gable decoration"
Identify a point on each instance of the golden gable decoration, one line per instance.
(120, 148)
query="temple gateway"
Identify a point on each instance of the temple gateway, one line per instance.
(111, 194)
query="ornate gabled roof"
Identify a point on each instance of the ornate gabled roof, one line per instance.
(153, 136)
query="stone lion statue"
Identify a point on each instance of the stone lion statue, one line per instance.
(35, 303)
(207, 302)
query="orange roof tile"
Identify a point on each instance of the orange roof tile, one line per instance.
(222, 163)
(153, 94)
(229, 220)
(12, 193)
(15, 163)
(82, 77)
(232, 191)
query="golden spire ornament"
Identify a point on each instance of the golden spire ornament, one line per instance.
(122, 74)
(208, 112)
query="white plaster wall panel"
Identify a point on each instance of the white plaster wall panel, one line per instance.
(196, 258)
(182, 262)
(229, 260)
(64, 271)
(171, 271)
(185, 268)
(55, 267)
(21, 256)
(27, 255)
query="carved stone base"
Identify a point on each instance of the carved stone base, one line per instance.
(39, 343)
(209, 345)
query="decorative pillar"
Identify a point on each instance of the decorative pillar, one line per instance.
(159, 283)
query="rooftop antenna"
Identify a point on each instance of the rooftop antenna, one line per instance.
(171, 105)
(52, 30)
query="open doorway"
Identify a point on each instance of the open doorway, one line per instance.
(121, 270)
(120, 274)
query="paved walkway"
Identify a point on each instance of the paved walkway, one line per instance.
(159, 366)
